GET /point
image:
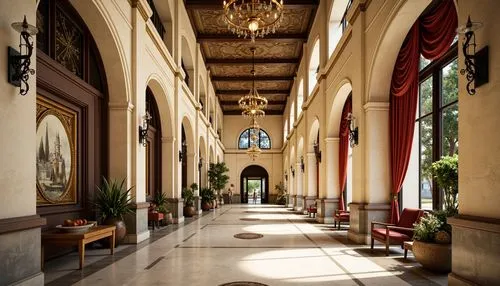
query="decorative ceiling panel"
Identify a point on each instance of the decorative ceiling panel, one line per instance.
(295, 21)
(236, 97)
(227, 49)
(246, 85)
(260, 70)
(237, 108)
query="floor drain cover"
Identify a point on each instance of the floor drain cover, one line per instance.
(243, 283)
(249, 219)
(247, 235)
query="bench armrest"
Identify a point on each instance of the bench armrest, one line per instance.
(400, 228)
(381, 223)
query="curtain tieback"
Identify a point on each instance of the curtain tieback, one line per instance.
(395, 197)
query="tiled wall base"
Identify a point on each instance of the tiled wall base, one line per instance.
(176, 206)
(137, 225)
(475, 251)
(308, 201)
(362, 214)
(326, 209)
(298, 203)
(291, 202)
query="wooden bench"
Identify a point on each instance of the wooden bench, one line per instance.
(57, 237)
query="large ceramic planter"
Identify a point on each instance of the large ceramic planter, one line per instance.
(205, 206)
(120, 232)
(189, 211)
(433, 256)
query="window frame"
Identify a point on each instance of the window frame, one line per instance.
(261, 133)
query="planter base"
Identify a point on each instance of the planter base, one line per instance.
(433, 256)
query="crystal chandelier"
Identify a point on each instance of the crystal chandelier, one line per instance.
(253, 18)
(253, 104)
(254, 151)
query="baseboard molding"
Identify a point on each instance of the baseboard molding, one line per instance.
(456, 280)
(35, 280)
(137, 238)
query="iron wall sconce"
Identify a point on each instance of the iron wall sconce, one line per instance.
(353, 130)
(317, 152)
(200, 163)
(182, 152)
(18, 67)
(181, 156)
(292, 170)
(143, 130)
(302, 166)
(476, 64)
(286, 176)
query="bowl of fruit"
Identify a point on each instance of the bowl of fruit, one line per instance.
(76, 225)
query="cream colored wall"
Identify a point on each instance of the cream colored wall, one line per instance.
(237, 160)
(17, 124)
(479, 153)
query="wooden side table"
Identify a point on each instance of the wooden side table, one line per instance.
(57, 237)
(407, 245)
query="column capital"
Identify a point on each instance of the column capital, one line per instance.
(376, 106)
(128, 106)
(169, 139)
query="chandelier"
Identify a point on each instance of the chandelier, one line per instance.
(254, 151)
(253, 104)
(253, 18)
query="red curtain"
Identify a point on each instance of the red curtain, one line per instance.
(431, 35)
(344, 149)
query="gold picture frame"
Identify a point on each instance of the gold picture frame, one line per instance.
(56, 160)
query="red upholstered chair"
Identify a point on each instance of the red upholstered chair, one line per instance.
(340, 216)
(396, 233)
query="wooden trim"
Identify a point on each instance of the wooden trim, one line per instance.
(21, 223)
(476, 223)
(251, 78)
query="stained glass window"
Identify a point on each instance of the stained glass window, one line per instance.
(262, 141)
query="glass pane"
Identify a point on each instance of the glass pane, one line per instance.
(449, 83)
(254, 137)
(243, 144)
(450, 130)
(426, 96)
(423, 62)
(425, 162)
(265, 143)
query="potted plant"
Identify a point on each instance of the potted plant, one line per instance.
(432, 235)
(282, 195)
(207, 197)
(188, 195)
(218, 178)
(160, 201)
(113, 201)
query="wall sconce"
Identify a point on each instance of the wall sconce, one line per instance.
(181, 156)
(476, 64)
(317, 152)
(302, 166)
(292, 170)
(18, 67)
(143, 130)
(200, 163)
(353, 130)
(286, 176)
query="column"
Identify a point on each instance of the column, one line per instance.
(310, 193)
(329, 198)
(168, 182)
(299, 201)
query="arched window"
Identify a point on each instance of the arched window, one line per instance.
(300, 98)
(337, 23)
(292, 114)
(285, 130)
(313, 67)
(263, 141)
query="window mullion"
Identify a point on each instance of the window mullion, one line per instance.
(436, 133)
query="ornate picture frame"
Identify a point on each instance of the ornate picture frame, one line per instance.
(56, 146)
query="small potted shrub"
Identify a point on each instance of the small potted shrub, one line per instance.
(113, 201)
(218, 178)
(207, 197)
(432, 235)
(160, 201)
(188, 196)
(282, 195)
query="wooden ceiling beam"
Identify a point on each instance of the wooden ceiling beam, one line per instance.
(214, 61)
(251, 78)
(245, 91)
(269, 102)
(217, 4)
(238, 112)
(232, 37)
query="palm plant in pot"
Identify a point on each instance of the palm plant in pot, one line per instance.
(188, 196)
(113, 201)
(160, 201)
(218, 178)
(432, 235)
(207, 197)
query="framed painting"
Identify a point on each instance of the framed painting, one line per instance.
(55, 153)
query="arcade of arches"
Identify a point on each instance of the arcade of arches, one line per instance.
(102, 65)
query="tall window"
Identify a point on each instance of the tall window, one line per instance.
(437, 120)
(285, 130)
(300, 98)
(263, 141)
(292, 114)
(313, 67)
(337, 23)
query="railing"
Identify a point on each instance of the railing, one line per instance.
(156, 20)
(343, 22)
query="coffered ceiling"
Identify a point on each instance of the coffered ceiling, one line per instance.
(229, 58)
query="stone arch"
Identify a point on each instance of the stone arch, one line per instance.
(314, 61)
(313, 134)
(202, 94)
(392, 35)
(292, 114)
(187, 62)
(189, 151)
(211, 155)
(257, 170)
(336, 109)
(158, 87)
(165, 10)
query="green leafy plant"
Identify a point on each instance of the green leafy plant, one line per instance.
(281, 192)
(207, 195)
(188, 195)
(112, 200)
(445, 171)
(161, 200)
(426, 228)
(217, 176)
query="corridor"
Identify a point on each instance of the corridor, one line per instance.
(279, 247)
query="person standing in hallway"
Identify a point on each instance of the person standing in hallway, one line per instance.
(254, 197)
(230, 194)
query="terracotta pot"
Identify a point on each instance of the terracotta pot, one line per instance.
(205, 206)
(189, 211)
(168, 218)
(120, 232)
(433, 256)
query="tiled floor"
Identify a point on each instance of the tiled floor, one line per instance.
(293, 251)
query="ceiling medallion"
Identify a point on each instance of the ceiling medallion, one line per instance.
(252, 103)
(253, 18)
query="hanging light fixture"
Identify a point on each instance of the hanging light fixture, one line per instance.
(253, 104)
(254, 151)
(253, 18)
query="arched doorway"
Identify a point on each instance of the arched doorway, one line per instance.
(254, 178)
(153, 147)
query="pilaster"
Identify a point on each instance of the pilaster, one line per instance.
(361, 216)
